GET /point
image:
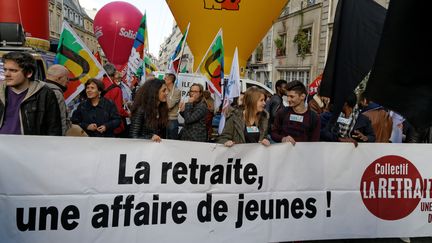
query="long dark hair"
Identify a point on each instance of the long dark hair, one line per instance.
(147, 99)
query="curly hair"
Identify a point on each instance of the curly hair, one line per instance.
(147, 99)
(24, 60)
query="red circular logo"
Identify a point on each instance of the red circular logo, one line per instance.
(391, 187)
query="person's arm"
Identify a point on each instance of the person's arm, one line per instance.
(78, 118)
(367, 134)
(114, 117)
(276, 128)
(276, 103)
(137, 120)
(174, 100)
(194, 114)
(227, 133)
(138, 128)
(52, 115)
(118, 101)
(317, 129)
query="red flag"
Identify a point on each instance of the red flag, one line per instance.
(98, 57)
(313, 87)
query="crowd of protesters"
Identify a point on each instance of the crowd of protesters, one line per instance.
(33, 107)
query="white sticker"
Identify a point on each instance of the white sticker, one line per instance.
(252, 129)
(296, 118)
(345, 121)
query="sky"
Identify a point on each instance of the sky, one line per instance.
(159, 18)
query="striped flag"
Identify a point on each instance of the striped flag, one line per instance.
(174, 65)
(149, 65)
(232, 89)
(135, 67)
(75, 56)
(212, 67)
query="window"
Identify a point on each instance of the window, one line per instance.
(304, 43)
(302, 76)
(285, 11)
(268, 41)
(310, 2)
(259, 53)
(280, 45)
(58, 24)
(50, 19)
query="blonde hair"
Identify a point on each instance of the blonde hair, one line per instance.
(250, 100)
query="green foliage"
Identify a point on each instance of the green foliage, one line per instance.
(301, 39)
(279, 43)
(280, 47)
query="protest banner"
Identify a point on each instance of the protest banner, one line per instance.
(131, 190)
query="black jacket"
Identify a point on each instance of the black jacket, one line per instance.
(272, 107)
(194, 116)
(39, 111)
(105, 113)
(363, 124)
(140, 129)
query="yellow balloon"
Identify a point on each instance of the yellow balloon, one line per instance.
(244, 24)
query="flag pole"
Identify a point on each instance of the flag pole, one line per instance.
(182, 48)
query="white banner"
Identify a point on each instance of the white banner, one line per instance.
(127, 190)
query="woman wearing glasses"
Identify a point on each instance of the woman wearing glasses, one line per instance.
(194, 113)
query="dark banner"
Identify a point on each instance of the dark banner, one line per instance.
(400, 79)
(356, 34)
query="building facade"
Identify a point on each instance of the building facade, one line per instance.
(297, 43)
(168, 47)
(260, 63)
(55, 13)
(75, 15)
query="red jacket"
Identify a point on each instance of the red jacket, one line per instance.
(116, 96)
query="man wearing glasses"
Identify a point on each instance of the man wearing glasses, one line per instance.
(27, 107)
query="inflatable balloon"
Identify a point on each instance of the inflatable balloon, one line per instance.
(244, 24)
(23, 11)
(115, 27)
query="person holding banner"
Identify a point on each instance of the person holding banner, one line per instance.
(150, 111)
(96, 115)
(248, 125)
(296, 123)
(194, 113)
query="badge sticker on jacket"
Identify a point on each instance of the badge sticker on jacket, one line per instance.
(252, 129)
(296, 118)
(345, 121)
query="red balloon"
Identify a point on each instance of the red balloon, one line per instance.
(115, 27)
